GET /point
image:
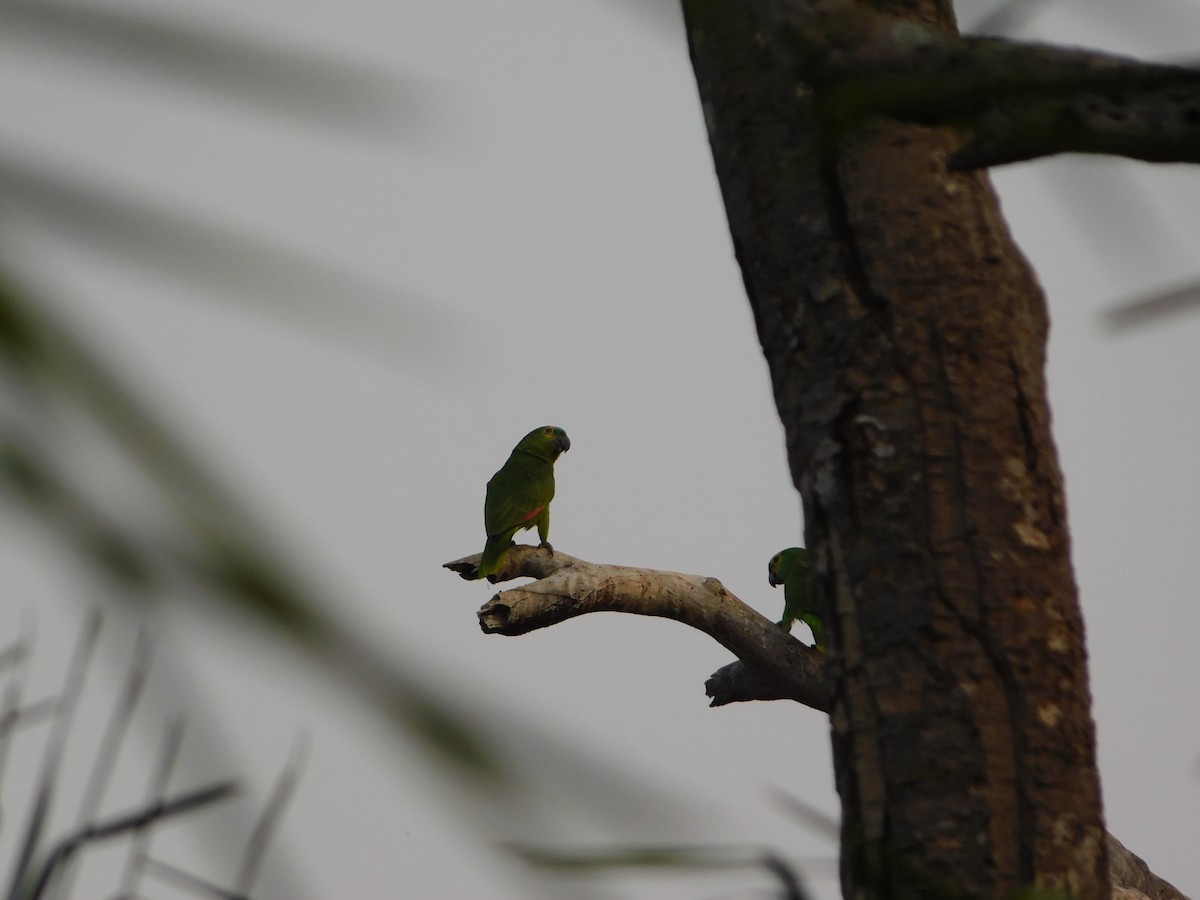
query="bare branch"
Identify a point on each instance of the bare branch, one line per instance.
(14, 657)
(695, 858)
(256, 846)
(1129, 873)
(15, 654)
(118, 727)
(135, 821)
(738, 682)
(106, 756)
(566, 587)
(139, 844)
(56, 745)
(12, 718)
(1012, 100)
(186, 881)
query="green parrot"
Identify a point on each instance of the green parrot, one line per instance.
(519, 495)
(790, 568)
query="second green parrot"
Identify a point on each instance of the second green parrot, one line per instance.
(519, 495)
(790, 568)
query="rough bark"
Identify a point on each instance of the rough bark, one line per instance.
(905, 337)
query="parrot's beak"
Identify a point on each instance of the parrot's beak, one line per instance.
(775, 581)
(564, 443)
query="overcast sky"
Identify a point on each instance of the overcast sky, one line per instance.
(547, 229)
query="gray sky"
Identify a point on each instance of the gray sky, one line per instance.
(551, 231)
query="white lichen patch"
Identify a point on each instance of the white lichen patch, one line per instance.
(1031, 536)
(874, 430)
(825, 478)
(1015, 485)
(1057, 641)
(1049, 714)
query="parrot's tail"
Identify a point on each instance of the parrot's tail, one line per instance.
(494, 552)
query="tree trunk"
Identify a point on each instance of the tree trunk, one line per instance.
(905, 336)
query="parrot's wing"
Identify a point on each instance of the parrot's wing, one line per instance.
(517, 494)
(798, 589)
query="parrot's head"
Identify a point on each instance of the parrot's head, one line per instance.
(548, 441)
(784, 563)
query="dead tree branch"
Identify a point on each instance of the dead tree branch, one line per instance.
(1132, 879)
(773, 664)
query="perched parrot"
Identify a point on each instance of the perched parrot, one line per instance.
(790, 568)
(519, 495)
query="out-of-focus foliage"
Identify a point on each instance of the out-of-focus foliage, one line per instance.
(53, 374)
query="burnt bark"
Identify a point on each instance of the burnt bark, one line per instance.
(905, 336)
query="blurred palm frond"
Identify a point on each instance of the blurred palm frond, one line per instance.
(326, 298)
(219, 548)
(266, 73)
(226, 554)
(47, 856)
(56, 745)
(268, 821)
(687, 858)
(1153, 307)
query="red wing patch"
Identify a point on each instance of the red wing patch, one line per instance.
(533, 515)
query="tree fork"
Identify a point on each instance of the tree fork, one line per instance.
(905, 336)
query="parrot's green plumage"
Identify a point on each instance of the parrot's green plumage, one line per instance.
(790, 568)
(519, 495)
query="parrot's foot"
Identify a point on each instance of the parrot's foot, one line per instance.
(545, 545)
